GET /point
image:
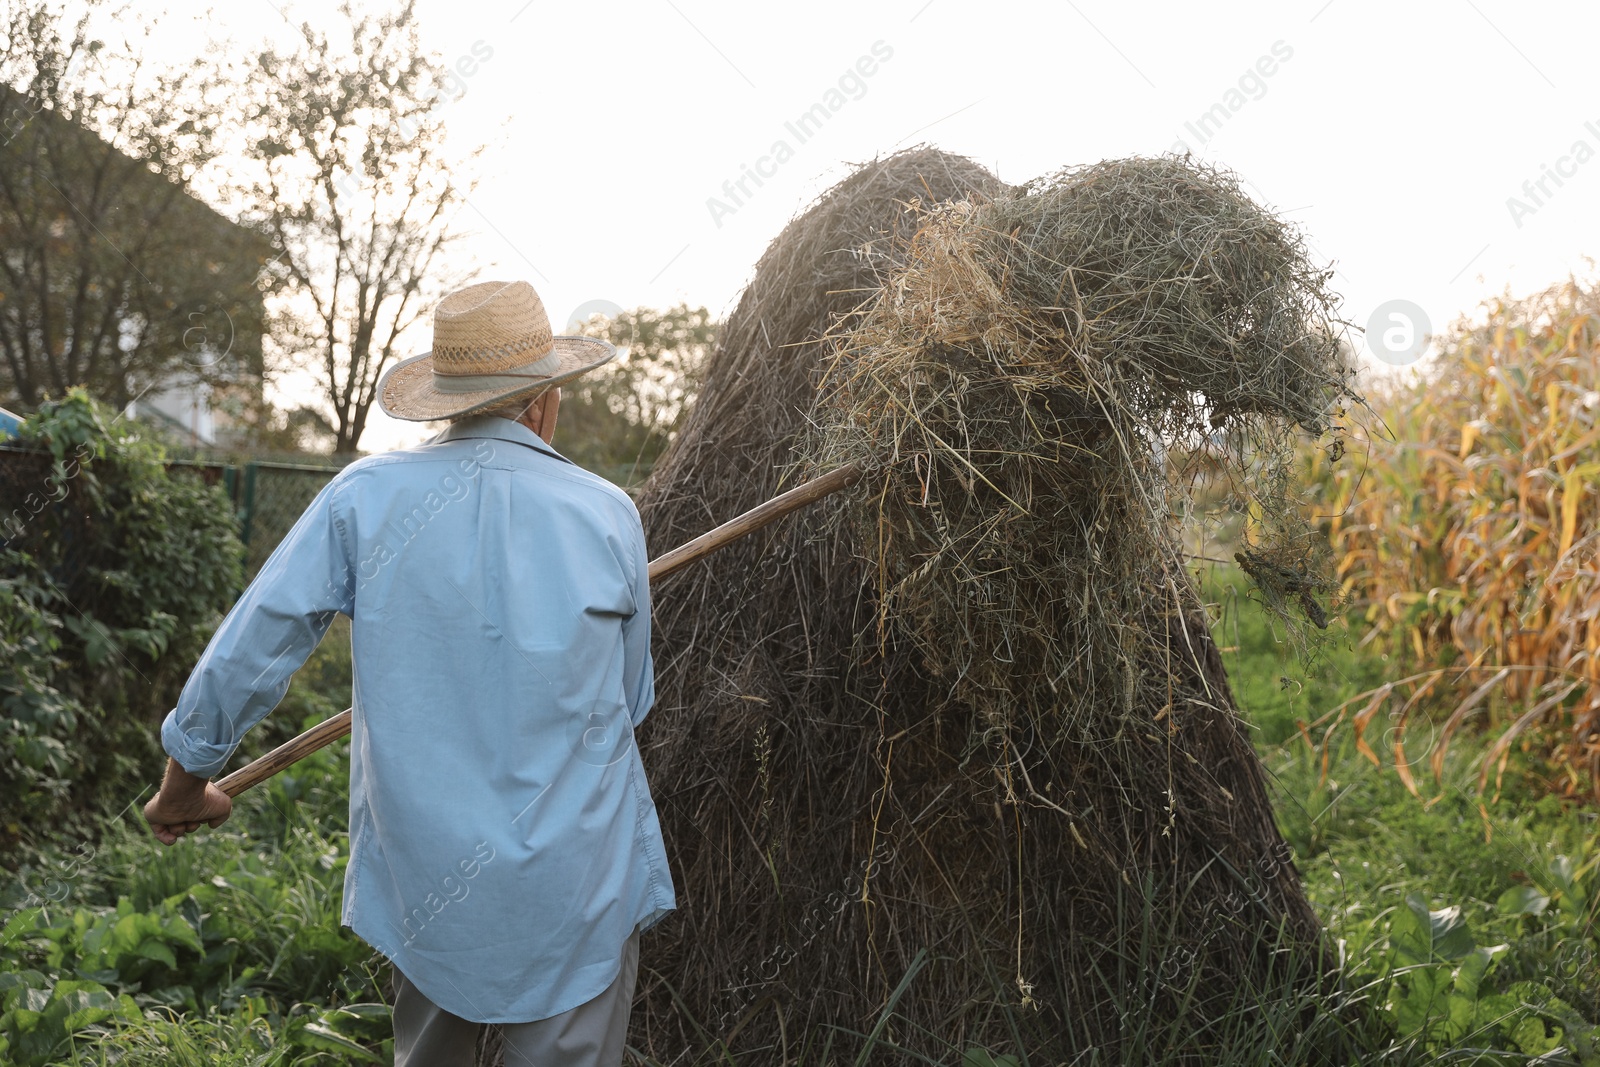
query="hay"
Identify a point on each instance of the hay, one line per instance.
(969, 726)
(1018, 382)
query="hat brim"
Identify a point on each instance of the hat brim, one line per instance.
(408, 391)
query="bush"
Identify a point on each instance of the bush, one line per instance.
(113, 574)
(1472, 532)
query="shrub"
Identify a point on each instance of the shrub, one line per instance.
(113, 573)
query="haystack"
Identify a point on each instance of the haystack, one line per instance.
(953, 762)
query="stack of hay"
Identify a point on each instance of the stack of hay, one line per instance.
(961, 746)
(1022, 378)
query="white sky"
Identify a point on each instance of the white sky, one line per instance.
(1393, 134)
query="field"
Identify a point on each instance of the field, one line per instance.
(1462, 918)
(1462, 926)
(1201, 666)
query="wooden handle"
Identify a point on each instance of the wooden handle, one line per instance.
(331, 729)
(324, 733)
(800, 496)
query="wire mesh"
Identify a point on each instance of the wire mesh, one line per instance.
(273, 497)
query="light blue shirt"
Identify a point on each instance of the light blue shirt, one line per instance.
(503, 842)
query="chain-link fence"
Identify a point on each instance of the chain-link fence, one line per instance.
(267, 497)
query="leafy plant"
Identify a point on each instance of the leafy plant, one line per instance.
(38, 1016)
(113, 573)
(1442, 991)
(226, 948)
(36, 719)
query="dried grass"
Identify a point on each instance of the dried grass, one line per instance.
(1021, 384)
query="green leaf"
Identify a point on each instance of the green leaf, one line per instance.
(1499, 1008)
(151, 949)
(75, 1005)
(1413, 1000)
(1529, 1036)
(22, 979)
(318, 1035)
(177, 930)
(21, 923)
(127, 1009)
(1522, 900)
(1424, 936)
(364, 1011)
(1460, 1012)
(1476, 966)
(1452, 938)
(1561, 871)
(126, 934)
(33, 999)
(38, 1042)
(105, 975)
(1410, 933)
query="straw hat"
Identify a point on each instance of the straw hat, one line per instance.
(491, 344)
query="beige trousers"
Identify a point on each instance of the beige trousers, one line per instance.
(590, 1035)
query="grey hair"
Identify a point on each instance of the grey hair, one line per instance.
(512, 410)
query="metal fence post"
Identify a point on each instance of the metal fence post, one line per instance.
(247, 506)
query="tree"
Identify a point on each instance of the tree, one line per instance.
(617, 420)
(112, 274)
(354, 188)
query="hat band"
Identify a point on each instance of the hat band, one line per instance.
(510, 378)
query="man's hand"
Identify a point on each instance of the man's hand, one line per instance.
(184, 804)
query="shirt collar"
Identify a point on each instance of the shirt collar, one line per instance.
(494, 428)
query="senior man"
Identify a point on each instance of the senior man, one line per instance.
(504, 847)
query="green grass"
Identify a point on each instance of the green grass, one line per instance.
(1512, 880)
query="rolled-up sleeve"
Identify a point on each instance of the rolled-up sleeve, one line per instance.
(639, 673)
(267, 636)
